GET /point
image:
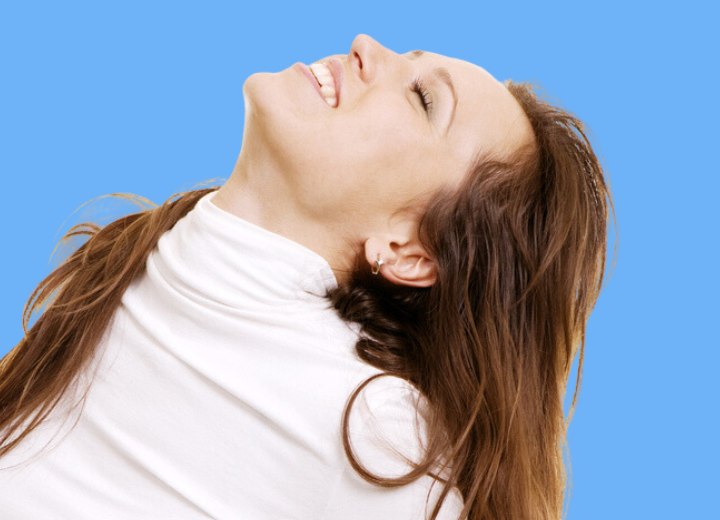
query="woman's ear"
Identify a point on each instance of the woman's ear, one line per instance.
(408, 264)
(413, 270)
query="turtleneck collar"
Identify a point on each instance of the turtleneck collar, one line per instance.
(233, 261)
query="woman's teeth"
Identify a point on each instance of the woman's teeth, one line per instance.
(327, 83)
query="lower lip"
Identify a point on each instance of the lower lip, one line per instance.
(305, 71)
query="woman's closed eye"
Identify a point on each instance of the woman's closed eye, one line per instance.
(419, 87)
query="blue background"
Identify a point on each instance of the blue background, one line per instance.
(146, 98)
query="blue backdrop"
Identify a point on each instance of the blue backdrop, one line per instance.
(146, 98)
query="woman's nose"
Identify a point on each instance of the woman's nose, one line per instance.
(365, 56)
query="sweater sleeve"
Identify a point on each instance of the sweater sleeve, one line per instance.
(383, 418)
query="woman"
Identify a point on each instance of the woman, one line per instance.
(404, 230)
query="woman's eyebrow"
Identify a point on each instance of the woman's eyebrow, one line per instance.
(444, 75)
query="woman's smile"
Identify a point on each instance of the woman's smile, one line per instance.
(305, 71)
(322, 90)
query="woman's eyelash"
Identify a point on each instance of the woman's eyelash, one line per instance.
(419, 87)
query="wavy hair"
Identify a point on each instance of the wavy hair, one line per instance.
(520, 249)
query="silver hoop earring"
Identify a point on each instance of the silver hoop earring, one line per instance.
(378, 263)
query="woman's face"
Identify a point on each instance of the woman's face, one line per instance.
(378, 150)
(345, 171)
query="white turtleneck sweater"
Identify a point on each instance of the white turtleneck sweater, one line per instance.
(218, 391)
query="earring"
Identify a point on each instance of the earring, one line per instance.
(378, 263)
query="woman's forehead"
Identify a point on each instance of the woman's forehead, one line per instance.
(487, 113)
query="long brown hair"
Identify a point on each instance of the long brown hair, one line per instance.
(520, 249)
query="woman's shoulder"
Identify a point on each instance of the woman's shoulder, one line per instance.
(387, 433)
(387, 422)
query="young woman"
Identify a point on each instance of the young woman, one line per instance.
(380, 306)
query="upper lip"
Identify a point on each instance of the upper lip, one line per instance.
(336, 69)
